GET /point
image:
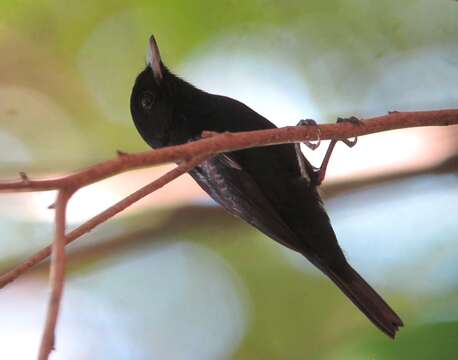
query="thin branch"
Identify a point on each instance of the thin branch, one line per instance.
(235, 141)
(57, 275)
(39, 256)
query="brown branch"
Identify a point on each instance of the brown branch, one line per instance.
(39, 256)
(235, 141)
(57, 275)
(60, 241)
(213, 144)
(197, 151)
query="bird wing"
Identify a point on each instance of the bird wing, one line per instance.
(272, 188)
(224, 179)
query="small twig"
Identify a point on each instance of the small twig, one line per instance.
(39, 256)
(57, 275)
(121, 153)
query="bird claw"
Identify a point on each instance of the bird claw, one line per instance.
(320, 173)
(310, 144)
(355, 121)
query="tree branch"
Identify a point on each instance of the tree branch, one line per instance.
(235, 141)
(57, 275)
(188, 156)
(86, 227)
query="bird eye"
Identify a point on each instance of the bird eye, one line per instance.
(147, 101)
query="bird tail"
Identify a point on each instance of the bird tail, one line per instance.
(366, 299)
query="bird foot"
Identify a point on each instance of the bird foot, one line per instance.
(320, 173)
(310, 122)
(353, 120)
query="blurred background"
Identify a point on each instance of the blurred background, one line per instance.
(175, 277)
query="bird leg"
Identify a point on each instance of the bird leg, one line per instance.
(306, 169)
(321, 171)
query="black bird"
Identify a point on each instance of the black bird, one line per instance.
(273, 188)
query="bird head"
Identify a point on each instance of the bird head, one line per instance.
(151, 101)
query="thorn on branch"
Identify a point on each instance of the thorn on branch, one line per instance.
(121, 153)
(52, 206)
(24, 177)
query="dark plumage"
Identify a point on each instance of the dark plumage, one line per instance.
(263, 186)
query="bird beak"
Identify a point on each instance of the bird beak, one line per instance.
(154, 59)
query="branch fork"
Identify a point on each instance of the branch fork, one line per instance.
(187, 156)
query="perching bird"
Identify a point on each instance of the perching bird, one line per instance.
(273, 188)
